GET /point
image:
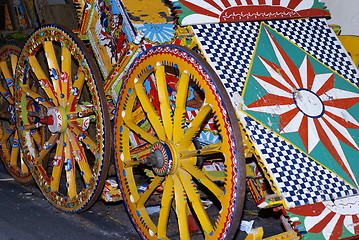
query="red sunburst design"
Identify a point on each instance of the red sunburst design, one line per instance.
(309, 104)
(329, 217)
(244, 10)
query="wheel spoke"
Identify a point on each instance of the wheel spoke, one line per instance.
(31, 126)
(180, 109)
(196, 203)
(203, 179)
(139, 131)
(38, 98)
(137, 154)
(69, 165)
(10, 130)
(24, 168)
(53, 65)
(37, 138)
(13, 60)
(14, 156)
(151, 112)
(83, 136)
(195, 126)
(15, 150)
(181, 208)
(149, 191)
(80, 157)
(131, 163)
(6, 95)
(76, 90)
(5, 70)
(140, 152)
(57, 165)
(44, 81)
(46, 149)
(205, 150)
(84, 112)
(51, 57)
(8, 77)
(166, 111)
(165, 209)
(65, 78)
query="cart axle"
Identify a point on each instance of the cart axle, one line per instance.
(160, 159)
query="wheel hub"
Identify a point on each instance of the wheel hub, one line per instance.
(161, 158)
(59, 119)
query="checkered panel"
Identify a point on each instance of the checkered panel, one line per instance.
(299, 178)
(229, 48)
(315, 37)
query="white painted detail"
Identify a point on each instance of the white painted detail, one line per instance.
(29, 140)
(309, 103)
(55, 113)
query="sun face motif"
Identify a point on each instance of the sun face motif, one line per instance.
(308, 103)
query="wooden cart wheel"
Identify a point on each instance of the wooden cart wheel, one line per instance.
(178, 148)
(10, 151)
(65, 138)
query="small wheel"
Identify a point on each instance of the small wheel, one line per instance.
(62, 118)
(179, 154)
(10, 151)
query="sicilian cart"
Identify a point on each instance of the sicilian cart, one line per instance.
(195, 100)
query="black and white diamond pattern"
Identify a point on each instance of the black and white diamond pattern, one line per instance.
(229, 49)
(300, 179)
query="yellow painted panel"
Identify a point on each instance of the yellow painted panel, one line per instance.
(106, 37)
(351, 44)
(154, 11)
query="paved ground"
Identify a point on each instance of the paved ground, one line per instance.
(25, 214)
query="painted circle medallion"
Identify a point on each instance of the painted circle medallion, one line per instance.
(308, 103)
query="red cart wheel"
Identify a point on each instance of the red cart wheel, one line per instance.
(65, 137)
(179, 154)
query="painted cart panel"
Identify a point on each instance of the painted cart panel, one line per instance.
(192, 12)
(306, 146)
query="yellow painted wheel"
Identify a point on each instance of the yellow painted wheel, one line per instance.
(179, 154)
(65, 134)
(10, 151)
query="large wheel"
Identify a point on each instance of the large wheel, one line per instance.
(179, 154)
(65, 137)
(10, 151)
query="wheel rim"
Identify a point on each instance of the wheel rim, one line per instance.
(65, 137)
(160, 165)
(10, 151)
